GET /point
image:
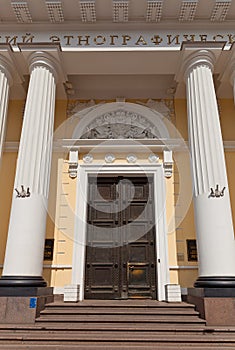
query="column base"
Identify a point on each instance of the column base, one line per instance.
(215, 282)
(22, 281)
(215, 305)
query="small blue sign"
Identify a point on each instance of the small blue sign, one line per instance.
(33, 303)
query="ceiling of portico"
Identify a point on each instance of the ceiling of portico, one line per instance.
(132, 75)
(127, 86)
(108, 11)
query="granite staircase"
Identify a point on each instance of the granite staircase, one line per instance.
(127, 324)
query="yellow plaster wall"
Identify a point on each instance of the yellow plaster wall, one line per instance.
(185, 229)
(7, 176)
(230, 163)
(227, 113)
(7, 169)
(64, 228)
(170, 216)
(14, 120)
(181, 118)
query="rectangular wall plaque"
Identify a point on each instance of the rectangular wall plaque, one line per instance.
(192, 249)
(48, 249)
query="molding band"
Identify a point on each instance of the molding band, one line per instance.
(22, 281)
(215, 282)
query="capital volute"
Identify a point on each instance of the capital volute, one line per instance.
(43, 59)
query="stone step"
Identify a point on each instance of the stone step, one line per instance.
(122, 319)
(117, 325)
(111, 346)
(119, 311)
(116, 337)
(75, 327)
(151, 327)
(146, 303)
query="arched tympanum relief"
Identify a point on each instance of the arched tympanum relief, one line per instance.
(120, 120)
(121, 124)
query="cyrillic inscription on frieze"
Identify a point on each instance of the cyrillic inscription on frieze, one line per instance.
(132, 39)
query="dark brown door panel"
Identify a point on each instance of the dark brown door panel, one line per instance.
(121, 249)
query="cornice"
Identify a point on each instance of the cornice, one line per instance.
(85, 145)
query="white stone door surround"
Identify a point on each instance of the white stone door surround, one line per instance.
(132, 117)
(155, 170)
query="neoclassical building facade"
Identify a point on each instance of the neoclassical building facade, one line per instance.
(117, 147)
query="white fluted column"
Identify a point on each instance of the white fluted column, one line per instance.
(5, 82)
(25, 244)
(214, 227)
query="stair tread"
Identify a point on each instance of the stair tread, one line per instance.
(121, 303)
(119, 311)
(124, 336)
(123, 346)
(51, 325)
(122, 315)
(108, 327)
(180, 321)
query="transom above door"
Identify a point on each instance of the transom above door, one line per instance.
(120, 247)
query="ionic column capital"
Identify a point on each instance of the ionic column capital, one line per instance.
(198, 58)
(6, 68)
(43, 59)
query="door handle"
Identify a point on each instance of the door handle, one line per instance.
(131, 268)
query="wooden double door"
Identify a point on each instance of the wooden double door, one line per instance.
(120, 247)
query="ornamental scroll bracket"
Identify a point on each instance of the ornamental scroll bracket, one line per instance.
(168, 163)
(73, 164)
